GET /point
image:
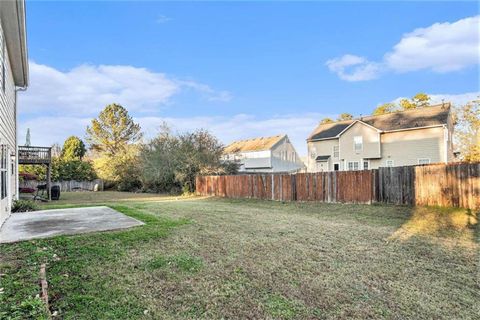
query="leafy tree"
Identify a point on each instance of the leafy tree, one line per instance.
(406, 104)
(122, 170)
(345, 116)
(63, 170)
(420, 100)
(73, 149)
(467, 131)
(326, 120)
(171, 162)
(385, 108)
(113, 130)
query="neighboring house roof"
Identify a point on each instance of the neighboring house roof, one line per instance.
(255, 144)
(12, 17)
(410, 119)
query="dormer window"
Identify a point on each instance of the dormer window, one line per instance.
(358, 143)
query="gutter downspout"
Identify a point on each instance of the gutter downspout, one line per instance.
(17, 181)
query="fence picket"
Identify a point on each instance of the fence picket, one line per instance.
(456, 184)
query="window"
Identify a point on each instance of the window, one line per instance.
(423, 161)
(389, 163)
(336, 166)
(353, 165)
(336, 152)
(366, 164)
(358, 143)
(3, 171)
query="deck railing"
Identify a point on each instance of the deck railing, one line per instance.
(34, 155)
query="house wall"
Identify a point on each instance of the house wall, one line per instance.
(285, 157)
(403, 147)
(7, 127)
(371, 143)
(281, 158)
(321, 148)
(449, 130)
(406, 147)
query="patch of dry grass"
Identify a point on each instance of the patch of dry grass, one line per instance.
(258, 259)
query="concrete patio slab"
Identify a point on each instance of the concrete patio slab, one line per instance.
(50, 223)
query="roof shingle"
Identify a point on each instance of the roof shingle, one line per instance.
(255, 144)
(410, 119)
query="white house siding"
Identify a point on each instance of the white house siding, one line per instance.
(406, 147)
(282, 157)
(321, 148)
(371, 143)
(7, 127)
(285, 158)
(403, 147)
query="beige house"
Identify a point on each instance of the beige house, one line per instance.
(419, 136)
(13, 76)
(264, 154)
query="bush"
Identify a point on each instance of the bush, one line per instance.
(171, 162)
(79, 170)
(24, 206)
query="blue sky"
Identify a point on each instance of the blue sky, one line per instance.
(240, 69)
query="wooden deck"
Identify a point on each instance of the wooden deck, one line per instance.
(34, 155)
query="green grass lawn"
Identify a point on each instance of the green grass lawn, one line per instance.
(215, 258)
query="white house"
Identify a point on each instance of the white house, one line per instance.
(264, 154)
(13, 76)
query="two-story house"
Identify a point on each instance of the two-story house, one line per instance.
(418, 136)
(264, 154)
(13, 75)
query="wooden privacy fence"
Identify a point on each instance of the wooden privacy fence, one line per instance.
(456, 185)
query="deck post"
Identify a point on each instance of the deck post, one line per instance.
(49, 181)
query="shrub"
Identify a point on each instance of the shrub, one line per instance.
(170, 162)
(24, 206)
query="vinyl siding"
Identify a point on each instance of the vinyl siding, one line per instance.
(7, 124)
(292, 161)
(371, 143)
(321, 148)
(272, 160)
(406, 147)
(403, 147)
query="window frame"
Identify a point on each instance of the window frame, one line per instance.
(363, 164)
(355, 143)
(337, 152)
(420, 159)
(353, 165)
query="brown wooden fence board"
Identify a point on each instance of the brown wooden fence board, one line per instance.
(456, 185)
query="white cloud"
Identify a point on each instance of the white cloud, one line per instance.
(162, 19)
(354, 68)
(46, 130)
(86, 89)
(441, 47)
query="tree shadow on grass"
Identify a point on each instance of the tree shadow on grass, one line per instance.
(451, 223)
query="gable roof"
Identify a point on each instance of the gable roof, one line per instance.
(410, 119)
(255, 144)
